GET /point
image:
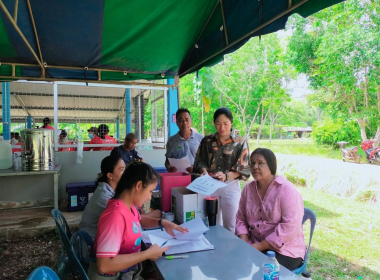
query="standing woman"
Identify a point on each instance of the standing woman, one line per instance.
(225, 155)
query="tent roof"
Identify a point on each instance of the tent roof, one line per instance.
(91, 104)
(121, 40)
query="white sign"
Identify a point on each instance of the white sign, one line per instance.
(205, 185)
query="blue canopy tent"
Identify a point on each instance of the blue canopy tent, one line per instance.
(120, 40)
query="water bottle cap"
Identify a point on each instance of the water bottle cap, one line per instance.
(271, 254)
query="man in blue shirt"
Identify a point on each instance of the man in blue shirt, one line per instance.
(127, 151)
(184, 143)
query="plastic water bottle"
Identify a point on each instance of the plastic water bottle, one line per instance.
(305, 276)
(271, 268)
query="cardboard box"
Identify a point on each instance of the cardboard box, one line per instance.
(189, 215)
(187, 205)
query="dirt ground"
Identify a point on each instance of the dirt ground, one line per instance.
(19, 257)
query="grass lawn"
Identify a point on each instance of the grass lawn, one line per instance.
(346, 239)
(301, 146)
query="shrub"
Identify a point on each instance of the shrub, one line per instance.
(330, 131)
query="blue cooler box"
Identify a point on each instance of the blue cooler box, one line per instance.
(79, 195)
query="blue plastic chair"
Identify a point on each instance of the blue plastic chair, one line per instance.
(43, 273)
(308, 215)
(68, 261)
(60, 219)
(82, 244)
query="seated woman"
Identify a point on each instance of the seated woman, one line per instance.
(118, 240)
(111, 170)
(271, 211)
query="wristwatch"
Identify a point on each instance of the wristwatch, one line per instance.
(160, 224)
(227, 176)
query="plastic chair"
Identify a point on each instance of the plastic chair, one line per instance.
(68, 261)
(308, 215)
(60, 219)
(43, 273)
(82, 244)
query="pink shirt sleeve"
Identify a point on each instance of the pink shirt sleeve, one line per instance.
(241, 218)
(291, 218)
(110, 235)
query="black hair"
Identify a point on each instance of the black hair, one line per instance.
(223, 111)
(63, 133)
(269, 157)
(136, 171)
(46, 121)
(107, 166)
(130, 136)
(180, 111)
(103, 130)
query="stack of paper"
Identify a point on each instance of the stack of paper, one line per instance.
(192, 241)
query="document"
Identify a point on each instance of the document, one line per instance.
(192, 241)
(205, 185)
(196, 229)
(194, 246)
(181, 164)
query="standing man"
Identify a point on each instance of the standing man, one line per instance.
(184, 143)
(127, 151)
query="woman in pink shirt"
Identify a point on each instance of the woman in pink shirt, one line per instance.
(118, 239)
(271, 211)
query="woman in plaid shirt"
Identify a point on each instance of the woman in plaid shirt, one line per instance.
(224, 155)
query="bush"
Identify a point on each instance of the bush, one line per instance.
(330, 131)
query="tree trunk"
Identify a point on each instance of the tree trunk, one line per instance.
(362, 123)
(203, 125)
(376, 139)
(270, 132)
(261, 126)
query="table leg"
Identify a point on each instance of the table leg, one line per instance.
(56, 191)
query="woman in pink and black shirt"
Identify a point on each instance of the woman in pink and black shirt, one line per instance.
(271, 211)
(118, 239)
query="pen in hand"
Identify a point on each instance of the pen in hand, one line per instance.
(164, 243)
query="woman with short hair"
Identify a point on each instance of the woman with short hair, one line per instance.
(271, 212)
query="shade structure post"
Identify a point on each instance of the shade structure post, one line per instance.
(128, 114)
(172, 108)
(55, 93)
(165, 114)
(6, 110)
(118, 128)
(28, 122)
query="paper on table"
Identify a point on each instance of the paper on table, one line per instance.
(196, 228)
(205, 185)
(180, 163)
(201, 244)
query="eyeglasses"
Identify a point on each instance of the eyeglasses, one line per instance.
(260, 164)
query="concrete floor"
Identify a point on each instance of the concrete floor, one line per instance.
(33, 221)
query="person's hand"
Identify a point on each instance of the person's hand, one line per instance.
(169, 227)
(203, 171)
(258, 246)
(155, 252)
(190, 169)
(220, 176)
(172, 169)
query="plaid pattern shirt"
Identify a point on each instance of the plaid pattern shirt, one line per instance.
(215, 156)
